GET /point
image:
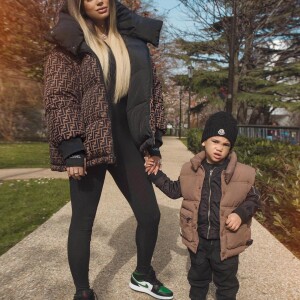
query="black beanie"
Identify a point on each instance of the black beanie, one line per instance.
(221, 124)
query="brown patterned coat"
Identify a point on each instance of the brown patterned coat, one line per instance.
(77, 104)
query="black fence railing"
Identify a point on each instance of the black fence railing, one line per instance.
(273, 133)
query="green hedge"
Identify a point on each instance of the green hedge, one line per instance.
(194, 140)
(278, 176)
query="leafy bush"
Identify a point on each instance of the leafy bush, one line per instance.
(278, 170)
(194, 140)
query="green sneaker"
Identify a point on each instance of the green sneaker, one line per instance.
(148, 283)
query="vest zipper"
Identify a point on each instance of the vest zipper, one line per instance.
(209, 202)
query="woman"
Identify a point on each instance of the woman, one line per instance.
(104, 112)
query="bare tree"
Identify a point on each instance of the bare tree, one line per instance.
(242, 37)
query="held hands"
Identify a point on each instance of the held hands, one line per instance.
(233, 222)
(77, 172)
(152, 164)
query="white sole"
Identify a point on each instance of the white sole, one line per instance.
(144, 290)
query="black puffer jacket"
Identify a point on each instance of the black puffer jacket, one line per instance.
(76, 101)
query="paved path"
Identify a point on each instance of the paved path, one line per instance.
(27, 173)
(37, 269)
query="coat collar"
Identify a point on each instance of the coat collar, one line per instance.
(198, 158)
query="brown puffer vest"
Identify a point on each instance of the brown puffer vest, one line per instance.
(236, 182)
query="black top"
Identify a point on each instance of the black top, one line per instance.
(209, 210)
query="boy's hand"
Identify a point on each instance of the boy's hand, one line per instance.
(152, 164)
(233, 222)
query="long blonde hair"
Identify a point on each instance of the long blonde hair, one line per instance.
(100, 48)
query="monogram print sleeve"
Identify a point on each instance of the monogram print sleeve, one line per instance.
(62, 97)
(157, 104)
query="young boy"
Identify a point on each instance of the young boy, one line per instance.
(219, 200)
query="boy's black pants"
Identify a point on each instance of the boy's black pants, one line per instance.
(206, 265)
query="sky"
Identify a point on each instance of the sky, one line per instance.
(172, 9)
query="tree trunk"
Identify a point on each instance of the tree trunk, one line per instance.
(242, 113)
(255, 115)
(236, 80)
(232, 59)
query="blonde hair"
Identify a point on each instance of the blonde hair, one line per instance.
(100, 48)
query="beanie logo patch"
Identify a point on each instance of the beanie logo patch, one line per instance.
(221, 132)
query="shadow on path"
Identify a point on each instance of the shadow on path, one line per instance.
(123, 243)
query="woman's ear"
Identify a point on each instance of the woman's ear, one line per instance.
(203, 144)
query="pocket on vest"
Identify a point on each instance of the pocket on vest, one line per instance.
(186, 224)
(238, 238)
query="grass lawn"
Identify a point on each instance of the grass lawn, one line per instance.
(24, 155)
(26, 204)
(184, 141)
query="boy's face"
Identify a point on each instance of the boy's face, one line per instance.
(217, 149)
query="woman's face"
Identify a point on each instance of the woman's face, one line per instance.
(97, 10)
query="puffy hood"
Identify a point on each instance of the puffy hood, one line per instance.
(129, 23)
(68, 34)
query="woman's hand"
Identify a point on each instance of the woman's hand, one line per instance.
(152, 164)
(77, 172)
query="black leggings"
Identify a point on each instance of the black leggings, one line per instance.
(131, 178)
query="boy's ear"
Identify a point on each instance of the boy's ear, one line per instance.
(203, 144)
